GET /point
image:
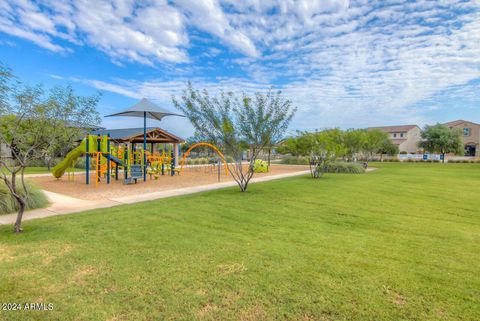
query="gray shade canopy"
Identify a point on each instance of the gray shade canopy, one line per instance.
(145, 108)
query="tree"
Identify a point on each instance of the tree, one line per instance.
(374, 141)
(64, 98)
(354, 141)
(321, 148)
(388, 148)
(32, 122)
(292, 145)
(441, 139)
(236, 123)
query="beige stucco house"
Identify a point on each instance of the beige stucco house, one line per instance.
(470, 135)
(406, 137)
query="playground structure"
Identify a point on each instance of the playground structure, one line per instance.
(118, 155)
(110, 157)
(161, 163)
(213, 147)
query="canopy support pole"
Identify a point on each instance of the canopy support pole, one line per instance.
(144, 146)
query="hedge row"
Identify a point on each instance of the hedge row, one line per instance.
(342, 167)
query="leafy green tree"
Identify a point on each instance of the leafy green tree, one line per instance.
(374, 141)
(293, 145)
(64, 98)
(321, 148)
(441, 139)
(32, 122)
(388, 148)
(236, 123)
(354, 141)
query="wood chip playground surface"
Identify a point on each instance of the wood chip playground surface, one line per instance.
(190, 177)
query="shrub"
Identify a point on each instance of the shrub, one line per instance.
(295, 160)
(36, 199)
(200, 161)
(81, 162)
(341, 167)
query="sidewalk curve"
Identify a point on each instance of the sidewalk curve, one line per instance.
(62, 204)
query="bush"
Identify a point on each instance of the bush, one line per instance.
(295, 160)
(42, 163)
(341, 167)
(81, 162)
(199, 161)
(8, 204)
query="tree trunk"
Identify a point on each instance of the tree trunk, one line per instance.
(269, 153)
(18, 222)
(443, 158)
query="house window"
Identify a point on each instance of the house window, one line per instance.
(401, 134)
(394, 135)
(466, 131)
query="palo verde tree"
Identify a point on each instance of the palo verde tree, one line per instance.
(388, 148)
(354, 141)
(32, 122)
(441, 139)
(236, 123)
(374, 141)
(321, 148)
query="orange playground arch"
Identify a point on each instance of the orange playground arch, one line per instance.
(208, 145)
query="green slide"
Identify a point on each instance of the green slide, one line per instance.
(71, 157)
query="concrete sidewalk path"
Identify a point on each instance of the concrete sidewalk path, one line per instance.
(62, 204)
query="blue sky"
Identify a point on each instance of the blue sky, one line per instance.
(343, 63)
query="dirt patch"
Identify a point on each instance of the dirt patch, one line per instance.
(80, 275)
(51, 254)
(7, 254)
(226, 269)
(396, 297)
(399, 300)
(190, 177)
(253, 313)
(207, 310)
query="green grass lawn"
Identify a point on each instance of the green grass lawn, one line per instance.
(400, 243)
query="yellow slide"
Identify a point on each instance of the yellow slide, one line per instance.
(71, 157)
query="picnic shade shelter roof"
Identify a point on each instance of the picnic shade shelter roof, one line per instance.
(135, 135)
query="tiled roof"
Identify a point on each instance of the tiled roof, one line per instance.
(127, 133)
(395, 129)
(458, 122)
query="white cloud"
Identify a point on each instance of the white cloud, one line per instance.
(121, 29)
(344, 63)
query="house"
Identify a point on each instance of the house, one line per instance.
(406, 137)
(470, 135)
